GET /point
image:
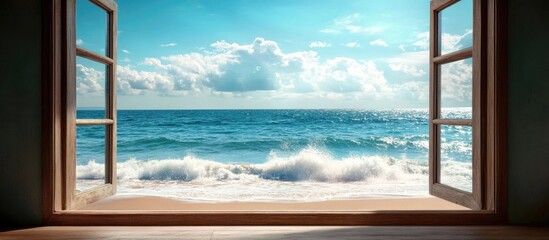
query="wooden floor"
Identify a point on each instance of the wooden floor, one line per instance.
(316, 233)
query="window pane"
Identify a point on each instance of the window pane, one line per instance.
(90, 156)
(456, 89)
(456, 27)
(90, 89)
(456, 157)
(91, 27)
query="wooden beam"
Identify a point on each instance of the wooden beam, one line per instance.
(457, 122)
(107, 5)
(91, 122)
(454, 56)
(93, 56)
(439, 5)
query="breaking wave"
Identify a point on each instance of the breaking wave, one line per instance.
(310, 164)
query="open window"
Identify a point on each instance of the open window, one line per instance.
(479, 60)
(445, 122)
(101, 92)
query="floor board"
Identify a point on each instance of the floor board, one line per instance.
(260, 233)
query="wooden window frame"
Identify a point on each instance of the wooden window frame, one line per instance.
(493, 24)
(72, 199)
(474, 199)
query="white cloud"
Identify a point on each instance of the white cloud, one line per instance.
(262, 70)
(353, 23)
(363, 29)
(125, 60)
(131, 81)
(414, 90)
(79, 42)
(408, 69)
(456, 82)
(329, 31)
(454, 42)
(350, 75)
(319, 44)
(401, 47)
(422, 40)
(449, 42)
(89, 81)
(126, 51)
(234, 69)
(352, 44)
(347, 20)
(168, 45)
(152, 62)
(419, 58)
(379, 42)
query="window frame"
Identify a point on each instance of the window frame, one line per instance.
(54, 121)
(474, 199)
(74, 200)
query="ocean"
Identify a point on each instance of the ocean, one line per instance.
(274, 155)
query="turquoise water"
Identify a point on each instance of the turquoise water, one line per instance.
(273, 149)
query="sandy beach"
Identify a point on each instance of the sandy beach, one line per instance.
(155, 203)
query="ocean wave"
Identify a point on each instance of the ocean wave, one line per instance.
(142, 144)
(312, 164)
(151, 141)
(309, 164)
(90, 171)
(419, 142)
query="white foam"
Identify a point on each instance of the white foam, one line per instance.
(309, 175)
(91, 171)
(309, 164)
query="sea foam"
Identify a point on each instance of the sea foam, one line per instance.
(309, 164)
(308, 175)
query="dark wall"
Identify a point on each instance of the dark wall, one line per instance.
(528, 111)
(20, 48)
(20, 93)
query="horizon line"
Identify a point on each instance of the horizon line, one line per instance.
(173, 109)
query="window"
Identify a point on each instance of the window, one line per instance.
(485, 126)
(446, 125)
(104, 123)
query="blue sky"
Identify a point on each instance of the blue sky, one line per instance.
(181, 54)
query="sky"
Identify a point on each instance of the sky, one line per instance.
(213, 54)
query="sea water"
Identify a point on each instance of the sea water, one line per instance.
(274, 155)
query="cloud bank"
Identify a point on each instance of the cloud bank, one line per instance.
(261, 68)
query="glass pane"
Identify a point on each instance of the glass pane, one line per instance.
(456, 89)
(456, 27)
(90, 156)
(456, 157)
(91, 80)
(91, 27)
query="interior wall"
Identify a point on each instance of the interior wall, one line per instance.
(528, 111)
(20, 93)
(20, 112)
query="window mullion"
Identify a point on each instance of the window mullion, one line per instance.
(454, 56)
(91, 122)
(93, 56)
(455, 122)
